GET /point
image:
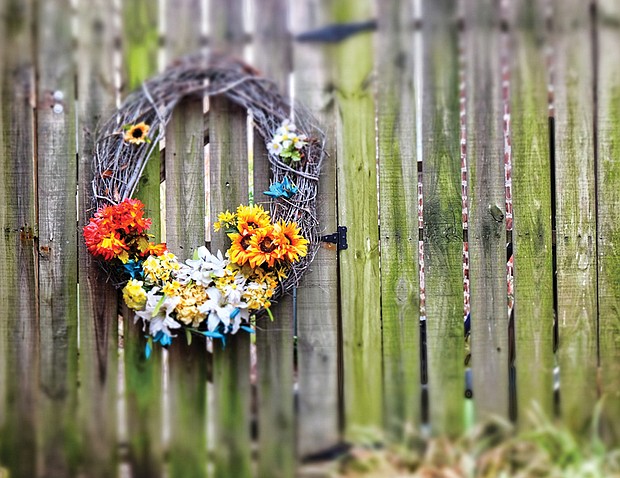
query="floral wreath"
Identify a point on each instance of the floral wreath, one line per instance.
(211, 294)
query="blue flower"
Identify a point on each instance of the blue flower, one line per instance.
(163, 338)
(284, 189)
(134, 269)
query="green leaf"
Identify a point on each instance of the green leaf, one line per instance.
(271, 317)
(158, 306)
(188, 336)
(195, 256)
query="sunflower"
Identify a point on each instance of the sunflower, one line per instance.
(137, 133)
(238, 251)
(264, 247)
(293, 245)
(251, 217)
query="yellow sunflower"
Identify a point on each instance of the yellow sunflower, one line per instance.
(294, 246)
(137, 133)
(264, 247)
(238, 251)
(251, 217)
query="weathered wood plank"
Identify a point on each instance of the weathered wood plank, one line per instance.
(98, 331)
(185, 212)
(231, 366)
(532, 212)
(317, 298)
(143, 379)
(229, 188)
(185, 231)
(140, 56)
(608, 216)
(443, 241)
(487, 229)
(575, 212)
(18, 257)
(274, 339)
(400, 289)
(57, 173)
(357, 209)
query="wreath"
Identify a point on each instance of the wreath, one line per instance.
(212, 294)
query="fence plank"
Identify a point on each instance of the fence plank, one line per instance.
(532, 213)
(317, 298)
(487, 229)
(57, 173)
(231, 366)
(357, 204)
(400, 290)
(97, 299)
(274, 340)
(229, 188)
(442, 218)
(608, 216)
(575, 212)
(185, 231)
(18, 258)
(143, 379)
(185, 212)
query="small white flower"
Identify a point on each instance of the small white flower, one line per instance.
(287, 139)
(300, 141)
(286, 127)
(216, 309)
(274, 147)
(162, 321)
(204, 269)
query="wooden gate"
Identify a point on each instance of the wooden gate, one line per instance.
(473, 158)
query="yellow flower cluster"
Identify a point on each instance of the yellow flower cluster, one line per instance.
(157, 269)
(192, 296)
(134, 294)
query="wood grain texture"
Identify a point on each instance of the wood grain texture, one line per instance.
(98, 303)
(487, 231)
(143, 378)
(140, 56)
(57, 175)
(532, 213)
(231, 366)
(274, 339)
(357, 209)
(18, 258)
(608, 199)
(185, 231)
(229, 188)
(400, 289)
(575, 212)
(443, 241)
(317, 297)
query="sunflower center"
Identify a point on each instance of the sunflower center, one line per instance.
(245, 242)
(137, 133)
(267, 245)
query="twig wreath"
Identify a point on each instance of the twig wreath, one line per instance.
(211, 294)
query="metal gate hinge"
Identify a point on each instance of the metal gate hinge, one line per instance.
(339, 238)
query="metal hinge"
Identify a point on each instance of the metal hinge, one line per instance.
(339, 238)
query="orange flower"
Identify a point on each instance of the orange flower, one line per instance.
(264, 247)
(293, 245)
(127, 216)
(251, 217)
(155, 249)
(238, 251)
(109, 247)
(137, 134)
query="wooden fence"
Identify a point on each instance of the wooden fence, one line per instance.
(458, 131)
